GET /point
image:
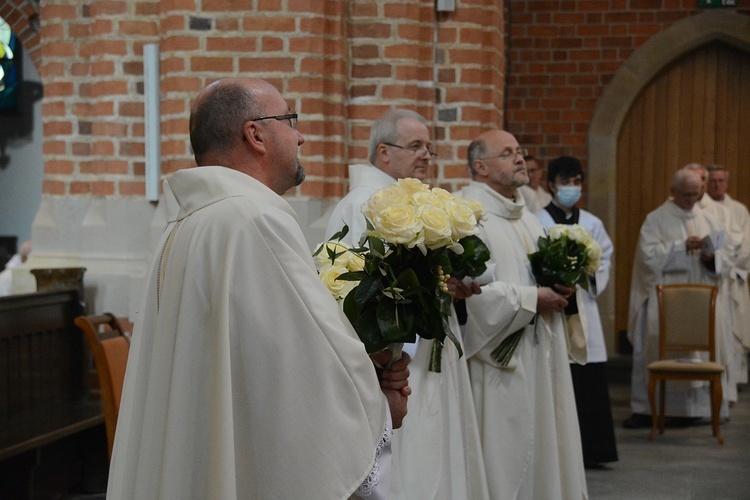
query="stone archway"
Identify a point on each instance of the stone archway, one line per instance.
(618, 98)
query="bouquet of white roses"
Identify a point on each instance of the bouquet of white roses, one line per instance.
(567, 255)
(416, 238)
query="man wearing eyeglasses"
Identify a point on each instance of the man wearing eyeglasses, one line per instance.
(245, 379)
(526, 409)
(671, 250)
(436, 454)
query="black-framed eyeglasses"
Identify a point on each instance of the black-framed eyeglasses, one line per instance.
(507, 154)
(416, 151)
(292, 117)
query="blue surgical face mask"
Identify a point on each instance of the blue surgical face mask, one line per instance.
(568, 195)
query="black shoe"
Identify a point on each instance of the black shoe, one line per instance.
(637, 421)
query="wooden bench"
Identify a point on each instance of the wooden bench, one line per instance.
(44, 389)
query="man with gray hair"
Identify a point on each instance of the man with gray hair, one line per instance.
(436, 454)
(739, 305)
(670, 250)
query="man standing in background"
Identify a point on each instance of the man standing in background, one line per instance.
(564, 180)
(526, 409)
(718, 183)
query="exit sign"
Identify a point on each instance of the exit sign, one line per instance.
(707, 4)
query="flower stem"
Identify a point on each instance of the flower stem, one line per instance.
(436, 356)
(504, 352)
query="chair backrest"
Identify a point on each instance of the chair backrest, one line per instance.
(687, 318)
(110, 347)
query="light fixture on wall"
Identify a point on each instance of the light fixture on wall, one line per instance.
(445, 5)
(153, 119)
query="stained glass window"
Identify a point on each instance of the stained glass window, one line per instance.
(9, 67)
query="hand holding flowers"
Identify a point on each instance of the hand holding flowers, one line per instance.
(568, 255)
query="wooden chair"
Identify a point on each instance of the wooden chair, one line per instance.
(110, 347)
(687, 322)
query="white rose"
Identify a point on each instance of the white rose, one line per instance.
(355, 262)
(463, 220)
(557, 231)
(437, 227)
(578, 233)
(322, 259)
(338, 288)
(386, 197)
(412, 186)
(427, 198)
(397, 224)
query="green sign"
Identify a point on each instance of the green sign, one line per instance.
(707, 4)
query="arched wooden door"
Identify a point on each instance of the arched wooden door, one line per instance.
(695, 110)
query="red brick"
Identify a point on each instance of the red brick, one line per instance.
(212, 64)
(53, 187)
(104, 167)
(132, 188)
(64, 167)
(138, 28)
(102, 188)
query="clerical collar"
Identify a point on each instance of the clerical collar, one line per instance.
(559, 216)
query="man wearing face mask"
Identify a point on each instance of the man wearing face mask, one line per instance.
(564, 179)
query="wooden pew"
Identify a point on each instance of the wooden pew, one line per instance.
(46, 415)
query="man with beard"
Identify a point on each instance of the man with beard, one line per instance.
(245, 379)
(526, 408)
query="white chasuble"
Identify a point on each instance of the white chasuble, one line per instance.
(526, 411)
(245, 379)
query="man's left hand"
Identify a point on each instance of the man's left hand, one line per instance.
(460, 290)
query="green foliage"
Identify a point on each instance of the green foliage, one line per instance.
(559, 261)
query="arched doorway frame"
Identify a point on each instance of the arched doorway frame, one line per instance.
(633, 76)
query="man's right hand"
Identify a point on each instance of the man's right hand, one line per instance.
(549, 300)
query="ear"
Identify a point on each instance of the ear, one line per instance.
(480, 168)
(254, 136)
(383, 154)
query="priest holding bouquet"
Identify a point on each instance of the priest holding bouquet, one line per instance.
(245, 379)
(525, 401)
(436, 454)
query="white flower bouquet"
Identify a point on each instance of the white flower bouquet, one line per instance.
(567, 255)
(416, 238)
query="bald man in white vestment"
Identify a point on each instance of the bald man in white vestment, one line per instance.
(436, 453)
(245, 380)
(526, 410)
(669, 251)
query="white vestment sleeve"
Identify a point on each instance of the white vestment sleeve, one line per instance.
(378, 482)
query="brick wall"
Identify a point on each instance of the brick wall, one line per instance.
(339, 64)
(562, 55)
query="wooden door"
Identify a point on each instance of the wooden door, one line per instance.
(695, 110)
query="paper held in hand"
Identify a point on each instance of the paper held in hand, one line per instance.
(713, 242)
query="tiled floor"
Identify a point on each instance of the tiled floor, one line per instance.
(682, 464)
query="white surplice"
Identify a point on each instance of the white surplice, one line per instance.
(436, 453)
(245, 379)
(738, 287)
(526, 411)
(596, 347)
(661, 258)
